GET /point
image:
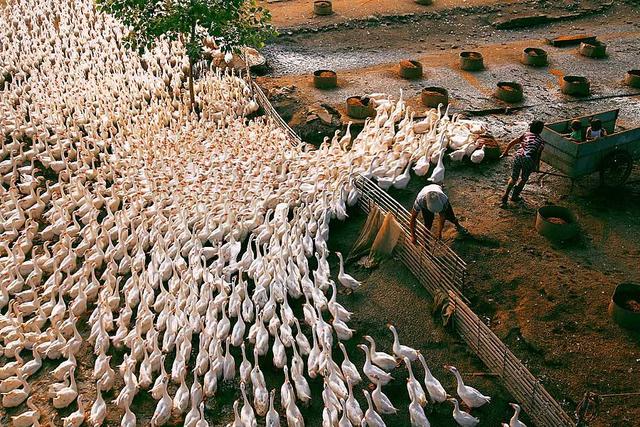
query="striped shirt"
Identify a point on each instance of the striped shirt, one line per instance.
(530, 146)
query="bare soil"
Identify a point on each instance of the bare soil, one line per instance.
(294, 13)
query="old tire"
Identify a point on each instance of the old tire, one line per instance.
(617, 310)
(615, 169)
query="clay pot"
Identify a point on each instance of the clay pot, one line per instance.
(360, 108)
(325, 79)
(575, 86)
(619, 309)
(410, 69)
(471, 61)
(322, 7)
(535, 57)
(633, 78)
(556, 223)
(510, 92)
(433, 96)
(593, 49)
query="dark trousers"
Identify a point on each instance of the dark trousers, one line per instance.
(429, 216)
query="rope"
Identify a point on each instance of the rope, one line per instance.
(602, 396)
(588, 408)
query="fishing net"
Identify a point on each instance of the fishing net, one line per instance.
(377, 239)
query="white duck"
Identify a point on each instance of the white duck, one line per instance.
(469, 395)
(27, 418)
(435, 390)
(247, 415)
(462, 418)
(349, 370)
(374, 373)
(273, 418)
(414, 388)
(16, 396)
(417, 415)
(380, 358)
(514, 421)
(75, 419)
(402, 351)
(371, 417)
(382, 402)
(345, 279)
(98, 410)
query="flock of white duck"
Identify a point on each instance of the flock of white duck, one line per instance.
(160, 229)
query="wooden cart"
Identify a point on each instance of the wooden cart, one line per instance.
(612, 155)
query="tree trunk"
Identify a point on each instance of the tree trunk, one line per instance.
(191, 64)
(191, 92)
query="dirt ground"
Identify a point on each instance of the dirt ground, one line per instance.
(548, 302)
(299, 13)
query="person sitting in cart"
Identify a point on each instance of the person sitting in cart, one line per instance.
(525, 161)
(595, 130)
(576, 131)
(431, 201)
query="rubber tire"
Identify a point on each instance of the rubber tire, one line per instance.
(620, 159)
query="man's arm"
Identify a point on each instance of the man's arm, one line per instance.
(441, 219)
(412, 225)
(510, 146)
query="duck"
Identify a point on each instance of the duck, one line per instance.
(247, 415)
(345, 279)
(417, 416)
(436, 392)
(32, 366)
(129, 418)
(371, 371)
(98, 410)
(379, 358)
(462, 418)
(437, 176)
(27, 418)
(162, 412)
(294, 416)
(371, 417)
(349, 370)
(382, 402)
(272, 418)
(354, 412)
(401, 181)
(345, 141)
(76, 418)
(413, 386)
(469, 395)
(402, 351)
(17, 396)
(12, 383)
(514, 421)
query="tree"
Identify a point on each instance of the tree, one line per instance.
(230, 23)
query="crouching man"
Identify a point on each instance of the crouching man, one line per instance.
(431, 201)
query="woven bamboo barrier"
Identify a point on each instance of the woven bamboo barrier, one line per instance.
(523, 386)
(264, 102)
(431, 261)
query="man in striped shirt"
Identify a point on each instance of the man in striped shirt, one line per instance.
(525, 161)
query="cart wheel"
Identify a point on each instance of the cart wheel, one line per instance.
(616, 168)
